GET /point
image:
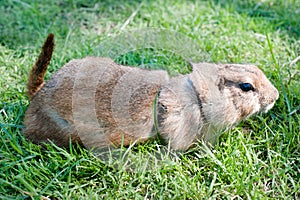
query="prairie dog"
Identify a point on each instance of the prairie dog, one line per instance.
(98, 103)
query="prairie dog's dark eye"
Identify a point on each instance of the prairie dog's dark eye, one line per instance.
(246, 87)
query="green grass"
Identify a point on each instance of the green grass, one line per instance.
(260, 159)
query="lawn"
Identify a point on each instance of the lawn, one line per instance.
(259, 159)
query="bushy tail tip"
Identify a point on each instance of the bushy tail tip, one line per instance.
(38, 70)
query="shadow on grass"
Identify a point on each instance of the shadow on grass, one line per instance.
(284, 15)
(22, 22)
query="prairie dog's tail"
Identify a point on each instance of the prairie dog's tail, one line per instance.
(38, 70)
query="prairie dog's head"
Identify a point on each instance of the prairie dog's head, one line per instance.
(232, 92)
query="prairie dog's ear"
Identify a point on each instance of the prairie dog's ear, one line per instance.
(208, 71)
(205, 77)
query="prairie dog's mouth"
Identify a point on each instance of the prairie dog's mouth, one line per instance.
(268, 107)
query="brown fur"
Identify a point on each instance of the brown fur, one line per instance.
(37, 73)
(98, 103)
